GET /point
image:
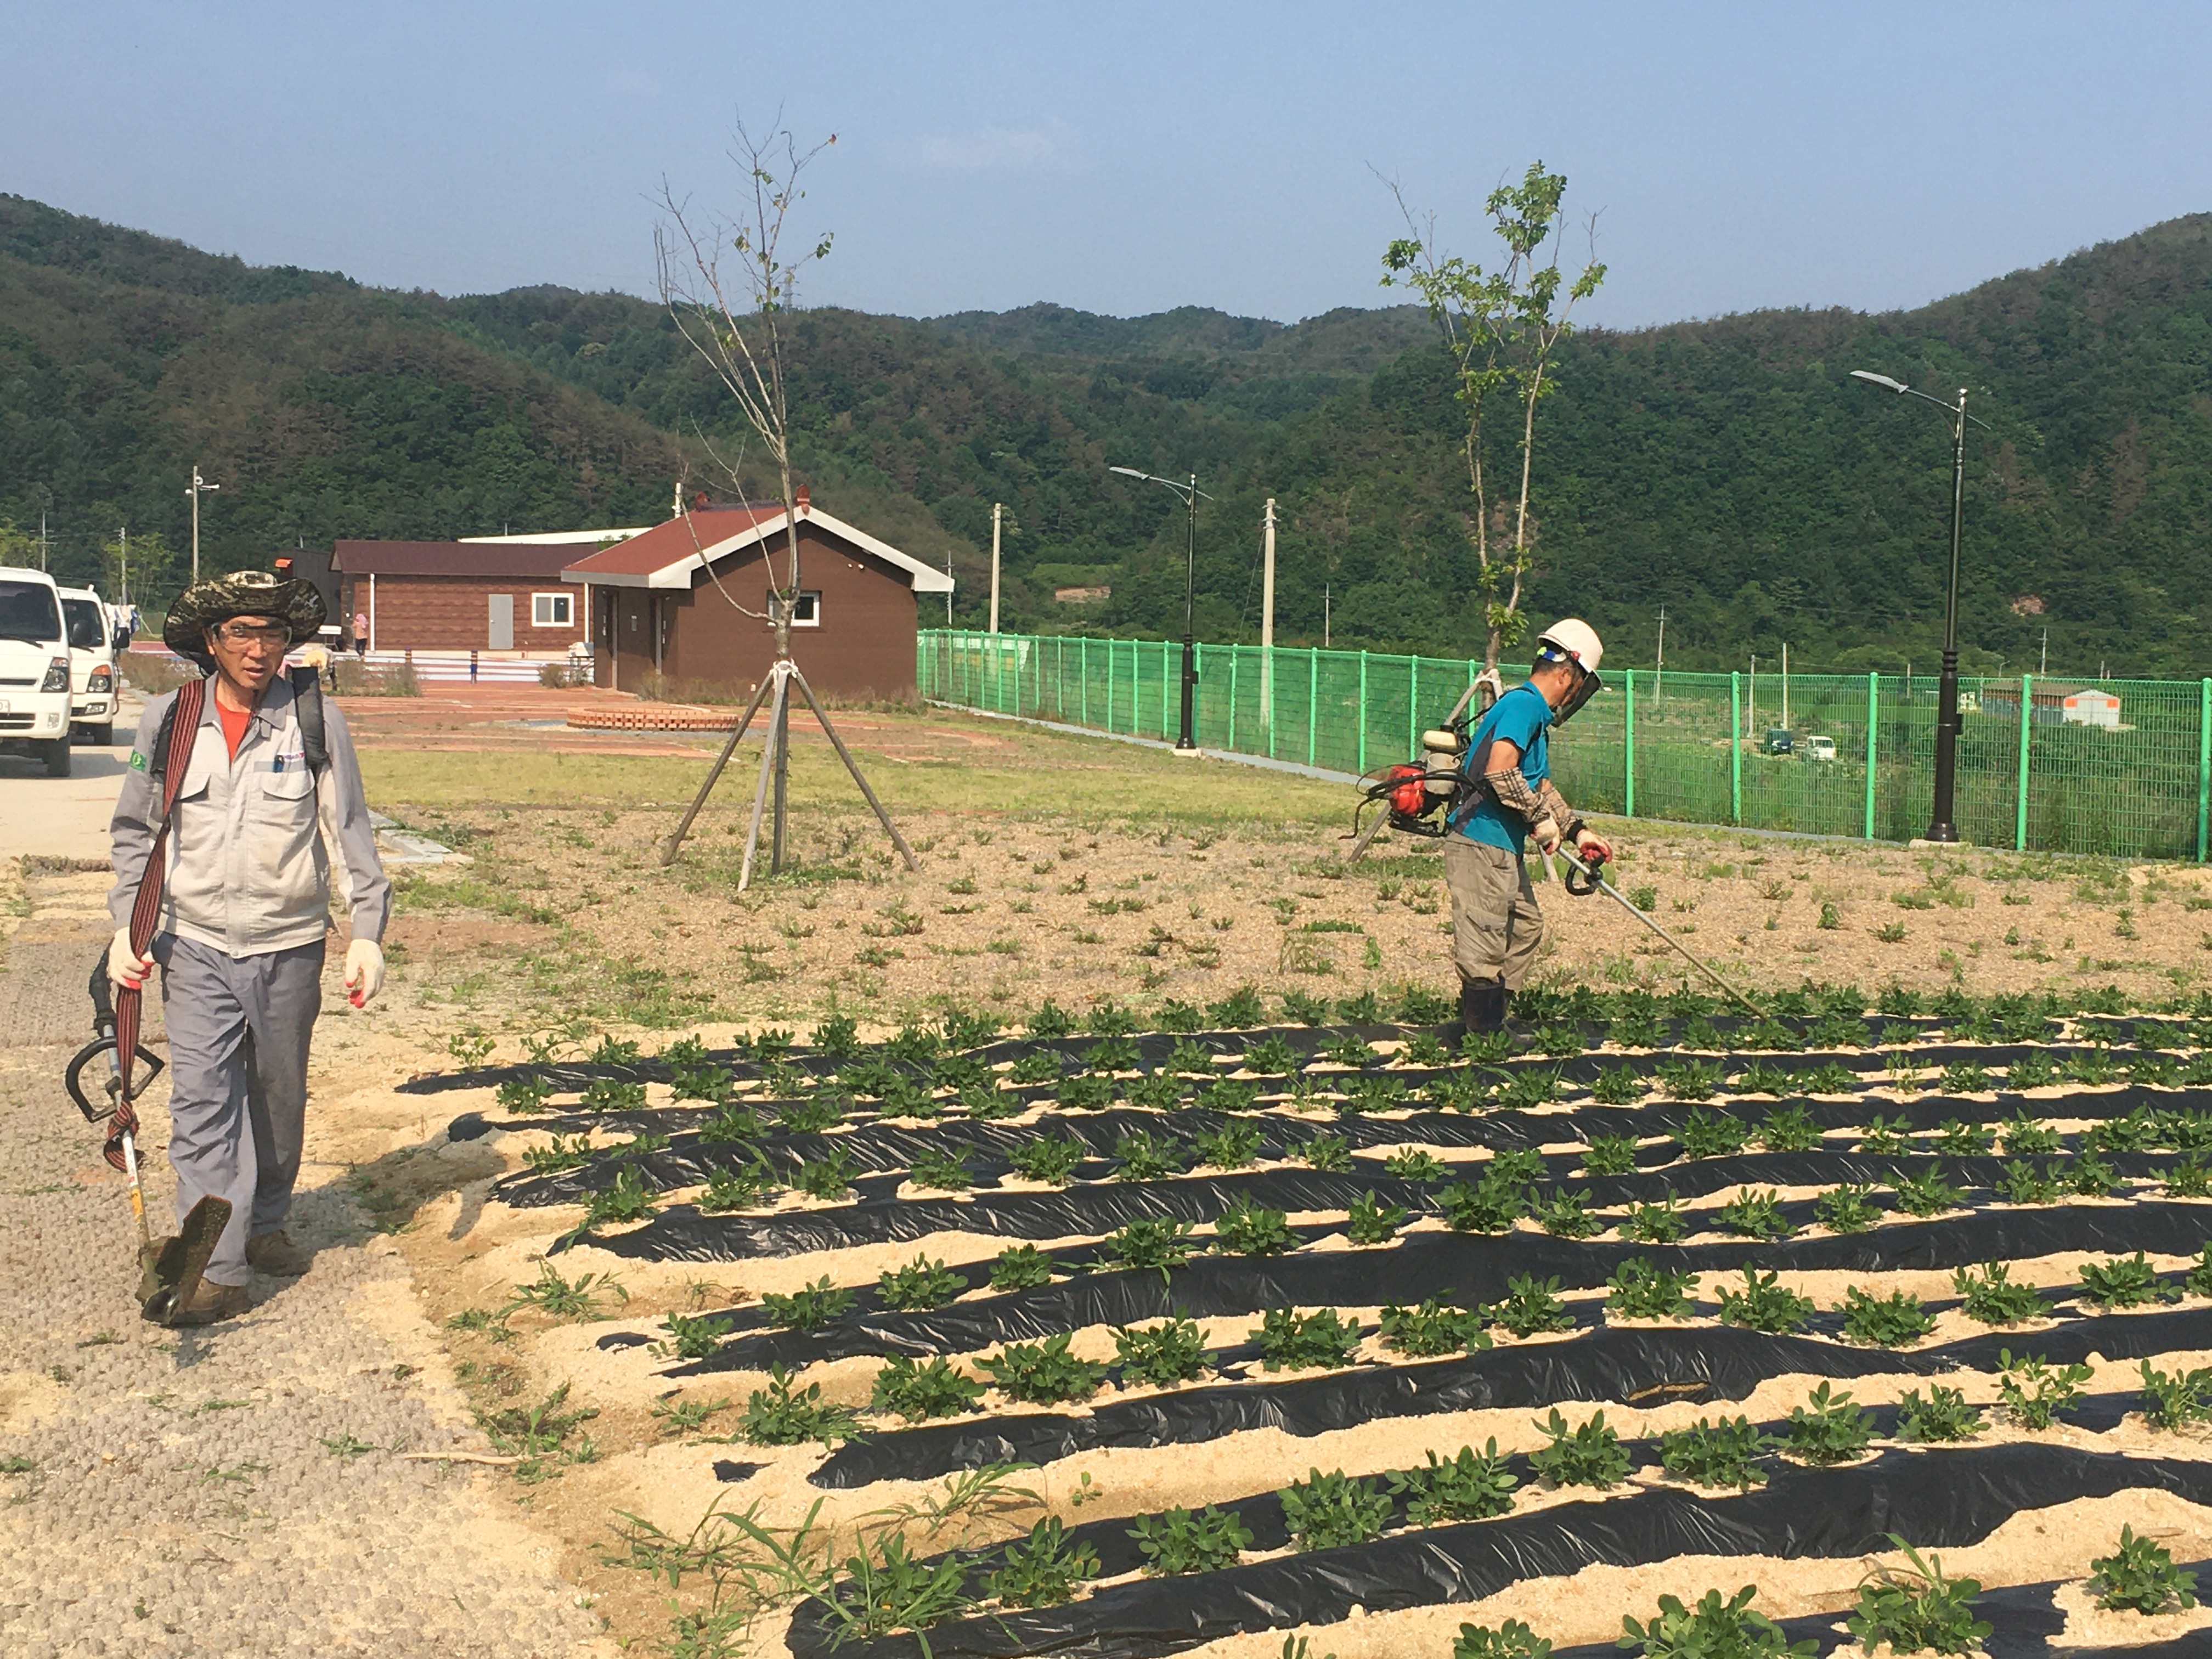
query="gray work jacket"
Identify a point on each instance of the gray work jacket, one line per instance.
(248, 872)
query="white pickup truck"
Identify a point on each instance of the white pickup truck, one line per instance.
(35, 669)
(92, 665)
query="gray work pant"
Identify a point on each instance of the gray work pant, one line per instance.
(1496, 926)
(239, 1028)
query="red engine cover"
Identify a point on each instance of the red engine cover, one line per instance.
(1410, 795)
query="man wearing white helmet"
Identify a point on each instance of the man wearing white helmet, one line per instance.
(1496, 926)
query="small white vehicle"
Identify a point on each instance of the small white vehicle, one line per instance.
(1818, 749)
(92, 665)
(35, 669)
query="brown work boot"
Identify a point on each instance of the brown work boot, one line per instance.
(210, 1302)
(276, 1254)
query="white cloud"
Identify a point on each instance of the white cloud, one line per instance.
(995, 149)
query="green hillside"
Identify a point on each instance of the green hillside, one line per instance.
(1728, 470)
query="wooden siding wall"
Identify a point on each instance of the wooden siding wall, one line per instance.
(454, 613)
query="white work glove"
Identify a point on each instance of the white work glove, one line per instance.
(364, 971)
(1546, 834)
(123, 969)
(1595, 849)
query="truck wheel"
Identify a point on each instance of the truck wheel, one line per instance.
(58, 758)
(100, 737)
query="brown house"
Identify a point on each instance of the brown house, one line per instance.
(668, 601)
(507, 595)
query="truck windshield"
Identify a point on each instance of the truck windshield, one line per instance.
(27, 612)
(85, 632)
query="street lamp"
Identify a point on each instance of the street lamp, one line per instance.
(1941, 826)
(198, 488)
(1186, 743)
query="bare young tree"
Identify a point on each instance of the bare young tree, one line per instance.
(734, 317)
(1501, 328)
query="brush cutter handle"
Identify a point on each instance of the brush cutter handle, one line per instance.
(1584, 875)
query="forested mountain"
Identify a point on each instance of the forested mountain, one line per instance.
(1730, 470)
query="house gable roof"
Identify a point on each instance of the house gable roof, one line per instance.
(669, 556)
(508, 563)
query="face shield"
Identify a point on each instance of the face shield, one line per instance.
(1587, 682)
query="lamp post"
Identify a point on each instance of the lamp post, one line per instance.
(198, 488)
(1186, 740)
(1940, 826)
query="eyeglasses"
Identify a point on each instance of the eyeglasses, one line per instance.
(254, 634)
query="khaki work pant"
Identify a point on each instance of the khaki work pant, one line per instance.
(1496, 926)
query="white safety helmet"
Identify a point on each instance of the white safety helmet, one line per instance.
(1572, 640)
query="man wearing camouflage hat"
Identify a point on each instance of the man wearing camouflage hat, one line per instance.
(269, 787)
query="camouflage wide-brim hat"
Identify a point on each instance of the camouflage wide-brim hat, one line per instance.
(242, 593)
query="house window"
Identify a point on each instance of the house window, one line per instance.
(552, 611)
(806, 614)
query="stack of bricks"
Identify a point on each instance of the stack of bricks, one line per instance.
(653, 717)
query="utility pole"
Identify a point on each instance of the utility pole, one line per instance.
(1267, 616)
(1785, 685)
(2043, 663)
(997, 515)
(46, 554)
(198, 488)
(1659, 673)
(122, 541)
(1324, 616)
(948, 592)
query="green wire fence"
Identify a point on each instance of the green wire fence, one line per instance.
(2122, 768)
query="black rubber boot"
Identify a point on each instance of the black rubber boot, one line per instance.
(1482, 1004)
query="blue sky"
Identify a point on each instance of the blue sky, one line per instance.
(1124, 157)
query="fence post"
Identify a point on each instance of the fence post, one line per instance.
(1736, 747)
(1628, 743)
(1362, 714)
(1873, 724)
(1313, 699)
(2020, 807)
(1267, 682)
(1414, 707)
(1234, 651)
(2204, 763)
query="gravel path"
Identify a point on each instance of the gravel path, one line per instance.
(205, 1493)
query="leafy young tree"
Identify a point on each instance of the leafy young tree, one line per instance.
(1501, 328)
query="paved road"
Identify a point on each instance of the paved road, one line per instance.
(233, 1493)
(63, 817)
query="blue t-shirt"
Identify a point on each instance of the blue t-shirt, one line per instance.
(1523, 719)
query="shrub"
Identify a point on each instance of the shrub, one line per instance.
(562, 1153)
(1588, 1455)
(1529, 1089)
(1755, 1215)
(1706, 1134)
(919, 1286)
(1370, 1221)
(2125, 1282)
(695, 1336)
(1050, 1160)
(2020, 1184)
(1510, 1640)
(779, 1415)
(2034, 1393)
(1232, 1146)
(1883, 1322)
(1789, 1129)
(1691, 1079)
(1846, 1209)
(1529, 1307)
(1713, 1629)
(1763, 1304)
(1488, 1205)
(624, 1201)
(1043, 1373)
(1619, 1085)
(1659, 1223)
(1944, 1417)
(918, 1393)
(1149, 1244)
(1566, 1213)
(1927, 1194)
(1722, 1454)
(1918, 1610)
(739, 1188)
(1642, 1290)
(810, 1309)
(1958, 1139)
(523, 1095)
(2140, 1577)
(1021, 1267)
(1415, 1165)
(1291, 1342)
(1436, 1327)
(1248, 1229)
(812, 1114)
(1180, 1541)
(1473, 1486)
(939, 1170)
(827, 1176)
(1041, 1570)
(606, 1094)
(1827, 1428)
(2175, 1400)
(1331, 1154)
(1333, 1511)
(1992, 1298)
(731, 1121)
(1610, 1155)
(1164, 1355)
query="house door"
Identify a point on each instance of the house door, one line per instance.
(502, 622)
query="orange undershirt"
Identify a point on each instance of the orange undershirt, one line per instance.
(233, 725)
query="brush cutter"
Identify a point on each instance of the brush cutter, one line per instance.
(169, 1270)
(1592, 874)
